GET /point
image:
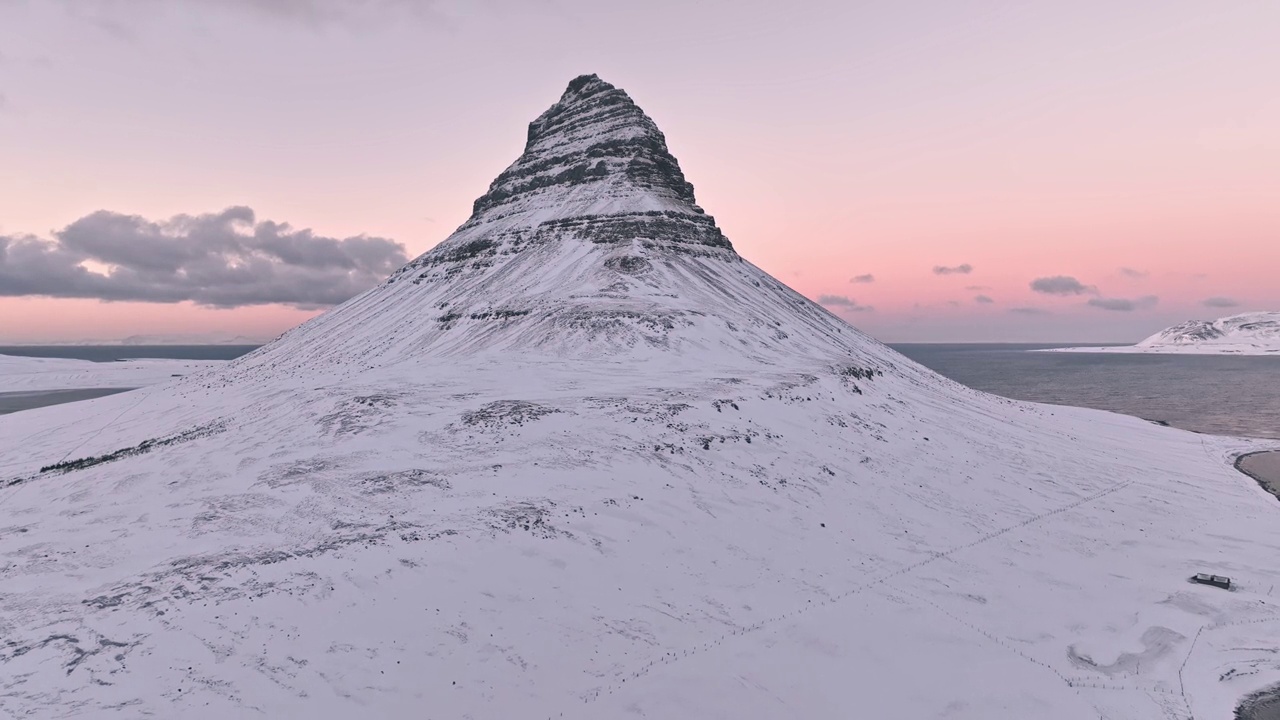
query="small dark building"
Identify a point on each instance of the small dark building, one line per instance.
(1214, 580)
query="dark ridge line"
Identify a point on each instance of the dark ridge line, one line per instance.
(142, 448)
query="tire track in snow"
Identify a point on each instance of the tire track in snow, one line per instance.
(675, 655)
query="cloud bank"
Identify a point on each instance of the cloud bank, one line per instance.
(1123, 304)
(224, 260)
(868, 278)
(1220, 302)
(843, 303)
(1060, 285)
(121, 18)
(963, 269)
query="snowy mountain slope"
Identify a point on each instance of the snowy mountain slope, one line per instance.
(615, 475)
(28, 374)
(1255, 333)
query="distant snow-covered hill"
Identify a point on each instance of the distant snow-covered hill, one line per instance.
(36, 374)
(582, 460)
(191, 339)
(214, 338)
(1254, 333)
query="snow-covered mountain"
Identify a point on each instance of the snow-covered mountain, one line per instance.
(591, 245)
(1253, 333)
(582, 460)
(190, 339)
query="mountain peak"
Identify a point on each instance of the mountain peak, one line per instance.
(583, 102)
(594, 141)
(589, 245)
(585, 81)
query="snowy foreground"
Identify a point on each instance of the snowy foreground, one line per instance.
(32, 374)
(533, 540)
(582, 460)
(1256, 333)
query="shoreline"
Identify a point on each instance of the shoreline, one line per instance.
(1264, 467)
(17, 401)
(20, 373)
(1202, 350)
(1261, 705)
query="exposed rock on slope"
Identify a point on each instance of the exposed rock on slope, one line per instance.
(582, 460)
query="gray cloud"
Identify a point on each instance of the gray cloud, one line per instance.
(843, 303)
(868, 278)
(1123, 304)
(1029, 311)
(1131, 272)
(963, 269)
(323, 11)
(977, 288)
(983, 300)
(35, 61)
(119, 18)
(1061, 285)
(226, 259)
(1220, 302)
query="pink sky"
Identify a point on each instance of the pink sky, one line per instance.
(829, 139)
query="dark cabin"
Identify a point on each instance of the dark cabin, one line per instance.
(1217, 581)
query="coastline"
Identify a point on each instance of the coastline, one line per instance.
(1229, 350)
(12, 402)
(40, 374)
(1264, 467)
(1262, 705)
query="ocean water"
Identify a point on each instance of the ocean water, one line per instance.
(15, 401)
(1225, 395)
(1222, 395)
(112, 353)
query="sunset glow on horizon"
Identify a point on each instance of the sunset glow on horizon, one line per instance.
(914, 167)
